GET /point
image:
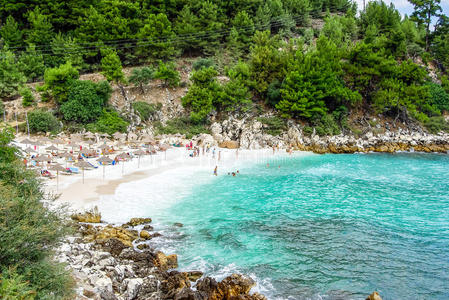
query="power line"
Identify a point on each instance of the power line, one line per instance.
(133, 43)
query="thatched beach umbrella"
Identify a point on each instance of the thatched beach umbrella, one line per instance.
(104, 160)
(139, 153)
(164, 147)
(123, 156)
(89, 135)
(132, 136)
(51, 148)
(58, 168)
(118, 135)
(82, 164)
(29, 150)
(26, 141)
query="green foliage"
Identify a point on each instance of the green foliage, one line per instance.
(66, 49)
(436, 124)
(7, 153)
(273, 125)
(2, 108)
(183, 126)
(11, 34)
(439, 97)
(109, 122)
(27, 97)
(201, 95)
(314, 83)
(111, 67)
(340, 30)
(31, 63)
(266, 62)
(41, 30)
(168, 74)
(13, 286)
(11, 78)
(241, 33)
(43, 121)
(58, 80)
(235, 97)
(203, 63)
(146, 110)
(142, 76)
(28, 233)
(85, 101)
(156, 38)
(424, 10)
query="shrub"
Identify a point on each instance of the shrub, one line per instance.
(27, 97)
(273, 125)
(437, 124)
(146, 110)
(43, 121)
(2, 108)
(182, 126)
(85, 101)
(168, 74)
(307, 130)
(141, 77)
(28, 233)
(58, 80)
(438, 97)
(109, 122)
(14, 286)
(203, 63)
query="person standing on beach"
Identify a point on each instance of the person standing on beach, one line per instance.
(215, 171)
(213, 153)
(219, 155)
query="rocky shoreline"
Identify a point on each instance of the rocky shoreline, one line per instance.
(235, 133)
(115, 262)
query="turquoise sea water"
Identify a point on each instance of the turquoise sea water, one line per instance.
(325, 226)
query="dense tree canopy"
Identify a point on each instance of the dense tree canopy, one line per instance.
(270, 51)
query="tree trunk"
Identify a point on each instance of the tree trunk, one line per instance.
(141, 88)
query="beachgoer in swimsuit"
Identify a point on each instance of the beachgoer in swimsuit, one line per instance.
(215, 170)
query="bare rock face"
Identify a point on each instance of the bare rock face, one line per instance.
(374, 296)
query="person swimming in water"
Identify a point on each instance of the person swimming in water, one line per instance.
(215, 170)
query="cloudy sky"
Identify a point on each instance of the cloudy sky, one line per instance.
(405, 7)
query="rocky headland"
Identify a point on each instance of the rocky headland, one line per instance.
(117, 262)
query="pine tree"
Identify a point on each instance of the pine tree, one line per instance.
(11, 34)
(424, 11)
(11, 78)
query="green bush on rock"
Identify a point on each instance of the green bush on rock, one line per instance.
(28, 232)
(43, 121)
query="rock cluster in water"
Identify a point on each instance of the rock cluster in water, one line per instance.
(115, 262)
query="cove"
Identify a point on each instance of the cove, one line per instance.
(323, 226)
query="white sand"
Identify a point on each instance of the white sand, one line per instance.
(169, 167)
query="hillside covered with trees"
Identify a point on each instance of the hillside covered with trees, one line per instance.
(316, 61)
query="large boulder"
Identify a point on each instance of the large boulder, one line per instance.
(374, 296)
(229, 144)
(232, 287)
(92, 216)
(101, 235)
(138, 221)
(165, 262)
(145, 235)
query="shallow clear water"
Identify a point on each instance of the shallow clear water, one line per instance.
(323, 226)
